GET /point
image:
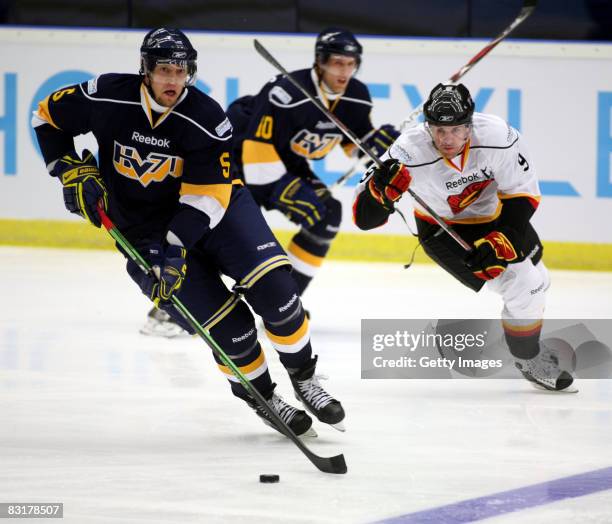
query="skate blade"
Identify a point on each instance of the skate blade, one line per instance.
(310, 433)
(339, 426)
(569, 389)
(161, 331)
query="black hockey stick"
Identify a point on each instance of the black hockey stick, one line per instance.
(353, 138)
(524, 13)
(334, 464)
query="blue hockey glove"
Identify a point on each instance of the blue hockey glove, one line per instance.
(170, 270)
(83, 185)
(173, 272)
(298, 200)
(379, 140)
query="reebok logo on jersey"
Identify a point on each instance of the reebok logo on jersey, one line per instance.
(453, 184)
(325, 125)
(487, 172)
(161, 142)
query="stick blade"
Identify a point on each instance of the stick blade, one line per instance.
(336, 464)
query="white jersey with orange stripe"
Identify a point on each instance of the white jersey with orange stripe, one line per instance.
(494, 165)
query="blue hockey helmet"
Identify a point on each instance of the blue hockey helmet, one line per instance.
(337, 41)
(168, 46)
(449, 105)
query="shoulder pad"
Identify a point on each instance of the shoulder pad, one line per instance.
(492, 131)
(279, 95)
(357, 89)
(205, 114)
(114, 86)
(284, 93)
(413, 147)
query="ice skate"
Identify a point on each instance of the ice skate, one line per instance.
(298, 420)
(316, 400)
(159, 324)
(543, 372)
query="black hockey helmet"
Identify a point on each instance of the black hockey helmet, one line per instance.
(449, 105)
(168, 46)
(337, 41)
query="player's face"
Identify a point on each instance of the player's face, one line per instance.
(337, 72)
(450, 140)
(167, 82)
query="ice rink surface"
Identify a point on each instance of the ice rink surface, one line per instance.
(129, 429)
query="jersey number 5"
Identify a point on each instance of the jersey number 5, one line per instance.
(59, 94)
(225, 164)
(523, 162)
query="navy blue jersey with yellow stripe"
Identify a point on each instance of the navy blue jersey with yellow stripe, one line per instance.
(155, 161)
(278, 130)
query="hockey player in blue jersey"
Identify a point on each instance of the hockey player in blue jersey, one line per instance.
(165, 180)
(279, 130)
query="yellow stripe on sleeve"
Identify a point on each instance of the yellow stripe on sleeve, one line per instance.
(254, 152)
(44, 114)
(220, 192)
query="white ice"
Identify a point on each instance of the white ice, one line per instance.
(128, 429)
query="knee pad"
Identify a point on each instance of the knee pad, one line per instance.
(235, 332)
(275, 296)
(523, 289)
(328, 227)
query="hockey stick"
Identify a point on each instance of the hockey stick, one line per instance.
(526, 10)
(334, 464)
(353, 138)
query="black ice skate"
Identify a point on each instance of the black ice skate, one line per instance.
(299, 421)
(316, 400)
(160, 324)
(543, 372)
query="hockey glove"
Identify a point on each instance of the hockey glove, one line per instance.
(83, 185)
(297, 200)
(174, 269)
(492, 253)
(379, 140)
(388, 183)
(169, 269)
(320, 189)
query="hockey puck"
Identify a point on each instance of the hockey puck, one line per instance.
(269, 479)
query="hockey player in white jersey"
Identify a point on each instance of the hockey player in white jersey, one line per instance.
(474, 171)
